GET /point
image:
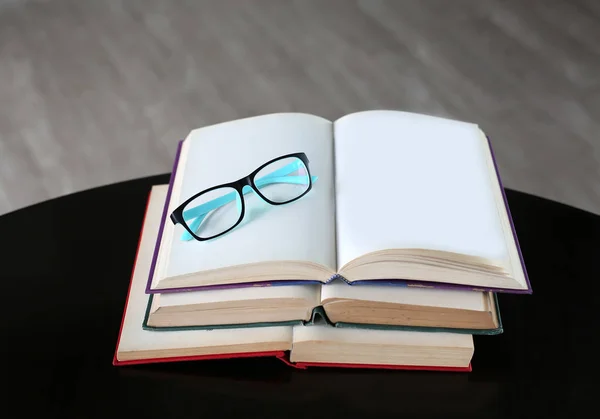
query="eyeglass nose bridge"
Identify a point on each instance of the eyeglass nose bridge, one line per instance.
(248, 188)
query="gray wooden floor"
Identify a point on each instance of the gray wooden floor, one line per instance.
(94, 92)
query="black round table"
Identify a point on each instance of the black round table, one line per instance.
(65, 271)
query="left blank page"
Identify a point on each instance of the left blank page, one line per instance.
(303, 230)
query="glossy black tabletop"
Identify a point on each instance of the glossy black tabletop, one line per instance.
(65, 271)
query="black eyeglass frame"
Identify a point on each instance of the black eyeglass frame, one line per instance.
(238, 185)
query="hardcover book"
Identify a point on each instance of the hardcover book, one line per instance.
(336, 303)
(391, 198)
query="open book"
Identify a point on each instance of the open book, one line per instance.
(368, 306)
(394, 196)
(315, 345)
(340, 305)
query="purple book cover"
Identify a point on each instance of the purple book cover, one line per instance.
(163, 219)
(391, 282)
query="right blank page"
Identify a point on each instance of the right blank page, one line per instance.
(406, 180)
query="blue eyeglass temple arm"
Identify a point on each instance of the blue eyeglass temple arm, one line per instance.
(277, 176)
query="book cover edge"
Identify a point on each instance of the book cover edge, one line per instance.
(387, 282)
(284, 357)
(234, 355)
(306, 365)
(137, 253)
(163, 220)
(510, 219)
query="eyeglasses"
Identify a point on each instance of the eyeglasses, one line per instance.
(217, 210)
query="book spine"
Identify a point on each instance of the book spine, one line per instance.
(286, 360)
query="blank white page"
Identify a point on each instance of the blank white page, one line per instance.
(134, 338)
(427, 297)
(406, 180)
(302, 231)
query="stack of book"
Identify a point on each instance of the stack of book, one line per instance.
(377, 240)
